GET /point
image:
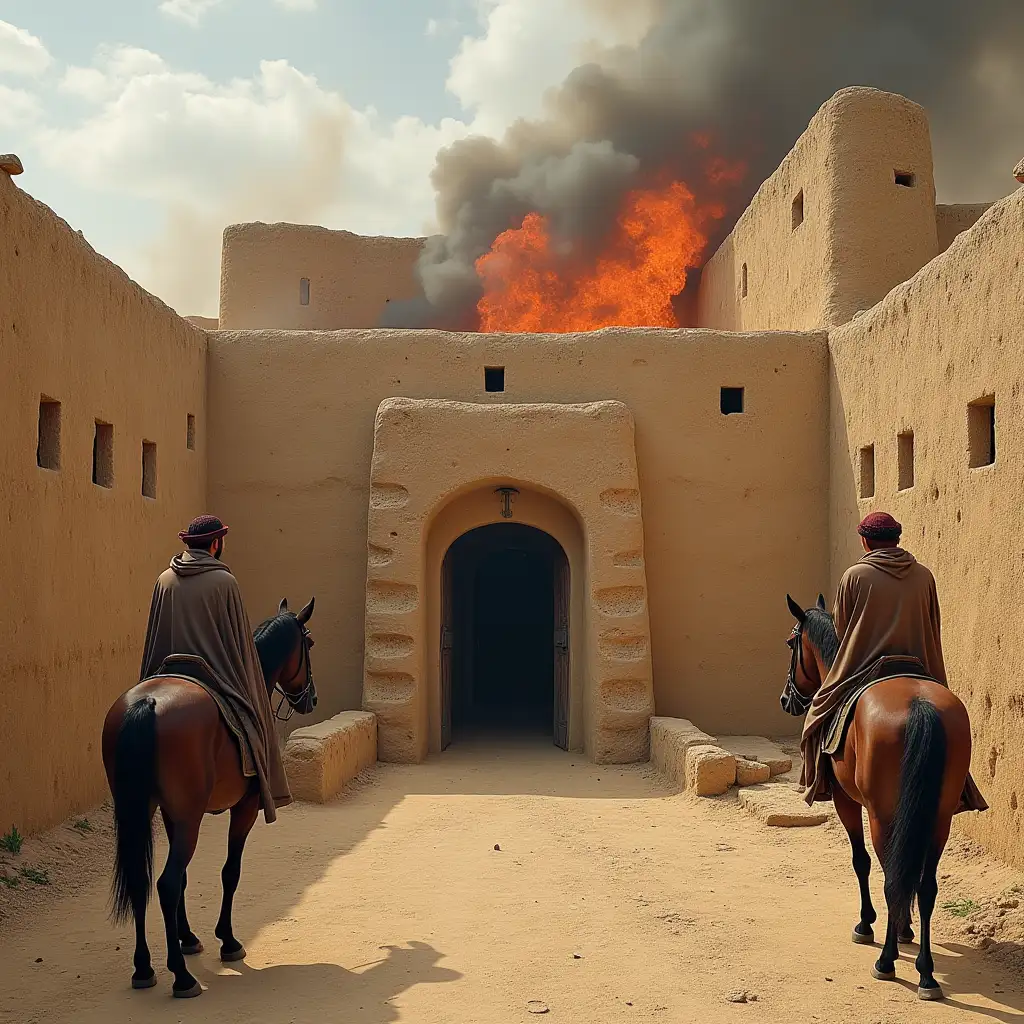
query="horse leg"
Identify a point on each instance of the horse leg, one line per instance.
(849, 812)
(928, 988)
(183, 838)
(885, 966)
(190, 942)
(243, 817)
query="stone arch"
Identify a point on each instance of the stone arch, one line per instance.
(432, 456)
(479, 506)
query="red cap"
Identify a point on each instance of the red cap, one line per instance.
(880, 526)
(203, 530)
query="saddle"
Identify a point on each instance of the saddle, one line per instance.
(889, 666)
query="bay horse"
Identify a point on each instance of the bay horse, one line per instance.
(904, 759)
(165, 744)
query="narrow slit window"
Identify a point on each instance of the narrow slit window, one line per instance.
(732, 401)
(494, 378)
(905, 179)
(905, 459)
(798, 209)
(190, 433)
(48, 442)
(103, 455)
(304, 291)
(148, 469)
(981, 431)
(867, 471)
(743, 281)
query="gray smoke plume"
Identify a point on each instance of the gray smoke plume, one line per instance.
(750, 73)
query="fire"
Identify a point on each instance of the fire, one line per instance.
(659, 237)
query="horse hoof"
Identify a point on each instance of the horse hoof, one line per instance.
(149, 982)
(883, 975)
(864, 939)
(234, 956)
(193, 949)
(188, 993)
(930, 994)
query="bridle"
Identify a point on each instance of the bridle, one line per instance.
(795, 697)
(295, 700)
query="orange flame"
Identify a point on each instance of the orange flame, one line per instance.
(659, 236)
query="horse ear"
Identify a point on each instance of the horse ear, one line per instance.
(798, 613)
(821, 603)
(283, 606)
(307, 612)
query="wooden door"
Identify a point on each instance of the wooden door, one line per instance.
(562, 651)
(447, 648)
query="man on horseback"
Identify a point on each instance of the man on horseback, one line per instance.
(197, 619)
(886, 606)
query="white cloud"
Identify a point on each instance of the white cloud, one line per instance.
(22, 53)
(18, 109)
(191, 12)
(504, 72)
(297, 5)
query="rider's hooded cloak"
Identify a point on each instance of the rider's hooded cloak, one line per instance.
(886, 605)
(197, 610)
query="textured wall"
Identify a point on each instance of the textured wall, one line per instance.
(79, 560)
(946, 338)
(351, 277)
(734, 507)
(861, 232)
(950, 221)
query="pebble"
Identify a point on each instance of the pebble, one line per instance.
(497, 847)
(536, 1006)
(741, 997)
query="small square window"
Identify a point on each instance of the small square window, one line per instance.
(905, 179)
(743, 281)
(494, 378)
(798, 209)
(867, 471)
(304, 291)
(48, 442)
(190, 433)
(905, 459)
(148, 469)
(981, 432)
(732, 401)
(103, 455)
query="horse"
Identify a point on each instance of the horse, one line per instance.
(165, 744)
(904, 759)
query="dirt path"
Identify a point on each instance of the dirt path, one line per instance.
(609, 900)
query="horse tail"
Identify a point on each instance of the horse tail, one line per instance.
(134, 789)
(912, 831)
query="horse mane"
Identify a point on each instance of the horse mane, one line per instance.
(274, 638)
(821, 631)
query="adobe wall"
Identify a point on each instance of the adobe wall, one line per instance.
(860, 234)
(351, 278)
(79, 560)
(944, 339)
(733, 509)
(951, 221)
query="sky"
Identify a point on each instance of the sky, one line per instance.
(149, 125)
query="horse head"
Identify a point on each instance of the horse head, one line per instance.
(293, 677)
(806, 674)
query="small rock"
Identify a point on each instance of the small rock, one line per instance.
(497, 847)
(1008, 904)
(827, 978)
(536, 1006)
(741, 996)
(1018, 171)
(577, 956)
(39, 959)
(11, 163)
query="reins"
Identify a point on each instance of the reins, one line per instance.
(795, 644)
(294, 700)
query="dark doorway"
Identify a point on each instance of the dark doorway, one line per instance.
(505, 634)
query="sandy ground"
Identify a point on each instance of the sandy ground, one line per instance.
(610, 899)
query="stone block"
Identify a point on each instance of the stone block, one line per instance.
(750, 773)
(320, 759)
(710, 770)
(777, 805)
(670, 740)
(10, 163)
(760, 749)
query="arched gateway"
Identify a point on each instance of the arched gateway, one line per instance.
(503, 578)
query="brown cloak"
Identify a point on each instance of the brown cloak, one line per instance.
(197, 610)
(887, 604)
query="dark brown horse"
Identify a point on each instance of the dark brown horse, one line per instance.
(165, 745)
(904, 759)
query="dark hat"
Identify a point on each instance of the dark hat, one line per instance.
(880, 526)
(203, 530)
